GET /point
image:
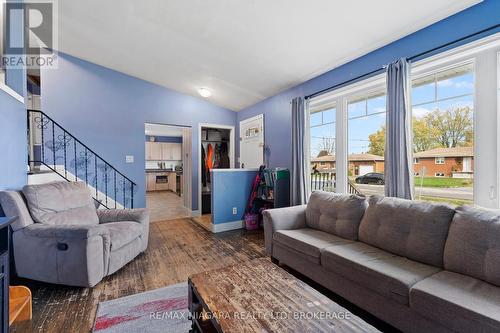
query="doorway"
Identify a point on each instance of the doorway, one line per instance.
(168, 171)
(216, 151)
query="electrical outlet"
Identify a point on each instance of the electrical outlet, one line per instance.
(235, 210)
(129, 159)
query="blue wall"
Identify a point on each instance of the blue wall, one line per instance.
(169, 139)
(107, 111)
(230, 189)
(277, 109)
(13, 143)
(13, 139)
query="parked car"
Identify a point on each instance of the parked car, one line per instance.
(371, 178)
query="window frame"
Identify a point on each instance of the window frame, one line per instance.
(440, 160)
(484, 54)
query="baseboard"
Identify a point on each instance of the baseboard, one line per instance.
(221, 227)
(195, 212)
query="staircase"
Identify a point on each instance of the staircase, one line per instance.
(56, 153)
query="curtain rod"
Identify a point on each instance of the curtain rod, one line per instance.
(414, 57)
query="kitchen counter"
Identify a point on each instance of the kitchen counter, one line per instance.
(159, 170)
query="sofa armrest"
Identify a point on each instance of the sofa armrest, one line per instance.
(282, 219)
(65, 231)
(75, 255)
(140, 215)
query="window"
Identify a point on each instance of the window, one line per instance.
(443, 122)
(366, 140)
(439, 160)
(322, 145)
(455, 99)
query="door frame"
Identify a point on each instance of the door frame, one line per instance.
(190, 176)
(232, 155)
(257, 117)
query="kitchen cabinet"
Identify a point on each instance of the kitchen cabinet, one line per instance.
(153, 151)
(176, 151)
(166, 151)
(161, 181)
(172, 186)
(150, 181)
(163, 151)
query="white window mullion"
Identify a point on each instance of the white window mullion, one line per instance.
(485, 131)
(341, 156)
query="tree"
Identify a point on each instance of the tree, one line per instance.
(377, 142)
(422, 137)
(327, 144)
(451, 128)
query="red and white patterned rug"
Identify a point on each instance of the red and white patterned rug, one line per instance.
(160, 310)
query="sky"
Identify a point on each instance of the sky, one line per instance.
(367, 116)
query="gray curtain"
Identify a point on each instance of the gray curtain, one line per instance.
(299, 161)
(398, 151)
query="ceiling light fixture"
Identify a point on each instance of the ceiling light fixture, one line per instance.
(204, 92)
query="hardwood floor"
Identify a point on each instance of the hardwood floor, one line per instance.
(165, 205)
(204, 221)
(177, 249)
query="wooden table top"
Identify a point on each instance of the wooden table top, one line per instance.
(258, 296)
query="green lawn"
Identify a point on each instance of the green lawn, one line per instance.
(453, 202)
(442, 182)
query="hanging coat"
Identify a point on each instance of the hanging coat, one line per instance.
(217, 150)
(210, 160)
(224, 156)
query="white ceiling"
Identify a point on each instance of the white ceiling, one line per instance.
(163, 130)
(243, 50)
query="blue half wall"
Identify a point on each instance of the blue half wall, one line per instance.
(230, 189)
(107, 111)
(277, 109)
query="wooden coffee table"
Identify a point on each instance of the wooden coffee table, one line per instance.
(258, 296)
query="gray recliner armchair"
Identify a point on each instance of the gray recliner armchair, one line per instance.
(60, 237)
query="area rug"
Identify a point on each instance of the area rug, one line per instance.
(159, 310)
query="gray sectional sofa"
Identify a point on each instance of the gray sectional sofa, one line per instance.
(60, 237)
(420, 267)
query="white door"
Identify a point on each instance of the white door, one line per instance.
(252, 142)
(364, 169)
(467, 164)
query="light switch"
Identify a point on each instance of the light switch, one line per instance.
(129, 159)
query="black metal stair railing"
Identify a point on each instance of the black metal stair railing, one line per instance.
(62, 153)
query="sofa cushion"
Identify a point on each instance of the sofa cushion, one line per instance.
(122, 233)
(383, 272)
(473, 244)
(338, 214)
(412, 229)
(61, 203)
(307, 241)
(461, 302)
